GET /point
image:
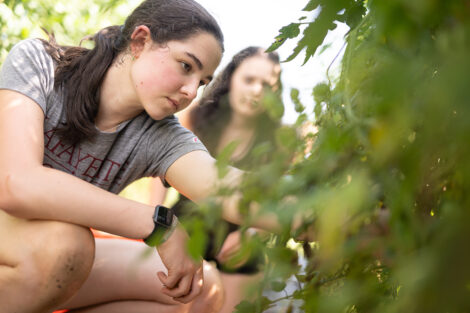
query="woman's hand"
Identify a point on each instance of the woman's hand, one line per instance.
(230, 251)
(185, 276)
(230, 247)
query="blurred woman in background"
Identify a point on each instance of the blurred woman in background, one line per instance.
(231, 110)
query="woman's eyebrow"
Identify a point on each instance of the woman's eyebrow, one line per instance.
(195, 59)
(198, 63)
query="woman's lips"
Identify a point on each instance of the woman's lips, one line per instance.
(174, 103)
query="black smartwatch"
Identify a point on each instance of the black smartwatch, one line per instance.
(164, 223)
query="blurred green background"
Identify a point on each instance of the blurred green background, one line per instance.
(385, 185)
(69, 20)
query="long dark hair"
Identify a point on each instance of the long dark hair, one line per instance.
(214, 111)
(81, 71)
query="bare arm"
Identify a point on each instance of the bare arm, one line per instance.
(30, 190)
(158, 192)
(195, 176)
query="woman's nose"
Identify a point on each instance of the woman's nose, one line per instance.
(190, 89)
(257, 89)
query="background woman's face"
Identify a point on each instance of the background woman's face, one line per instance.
(248, 82)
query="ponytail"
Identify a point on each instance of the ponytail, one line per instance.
(80, 71)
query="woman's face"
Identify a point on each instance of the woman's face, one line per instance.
(166, 77)
(248, 82)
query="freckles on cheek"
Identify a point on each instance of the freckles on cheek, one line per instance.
(139, 85)
(147, 84)
(153, 83)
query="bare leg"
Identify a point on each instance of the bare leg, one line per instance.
(236, 287)
(42, 263)
(128, 307)
(123, 279)
(45, 263)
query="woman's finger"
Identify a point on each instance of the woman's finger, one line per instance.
(196, 288)
(171, 280)
(182, 289)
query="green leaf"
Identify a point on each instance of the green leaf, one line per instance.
(245, 307)
(311, 5)
(273, 105)
(314, 35)
(355, 14)
(278, 286)
(297, 50)
(294, 95)
(257, 306)
(279, 41)
(287, 137)
(223, 159)
(290, 31)
(287, 32)
(321, 92)
(197, 242)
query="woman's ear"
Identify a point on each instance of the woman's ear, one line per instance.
(139, 37)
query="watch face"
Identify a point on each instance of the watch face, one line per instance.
(164, 216)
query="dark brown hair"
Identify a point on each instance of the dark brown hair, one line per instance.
(81, 71)
(214, 111)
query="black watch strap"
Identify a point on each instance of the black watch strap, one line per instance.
(164, 221)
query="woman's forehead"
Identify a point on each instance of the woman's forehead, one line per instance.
(203, 48)
(258, 65)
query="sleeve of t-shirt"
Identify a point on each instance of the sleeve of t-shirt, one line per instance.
(29, 70)
(171, 142)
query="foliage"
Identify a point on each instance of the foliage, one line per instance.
(386, 184)
(69, 20)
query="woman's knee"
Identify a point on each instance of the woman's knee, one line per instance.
(212, 296)
(59, 261)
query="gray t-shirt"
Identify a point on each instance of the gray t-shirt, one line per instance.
(139, 147)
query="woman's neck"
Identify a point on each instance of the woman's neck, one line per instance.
(117, 101)
(241, 130)
(240, 122)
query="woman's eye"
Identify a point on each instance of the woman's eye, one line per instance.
(267, 85)
(186, 66)
(249, 80)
